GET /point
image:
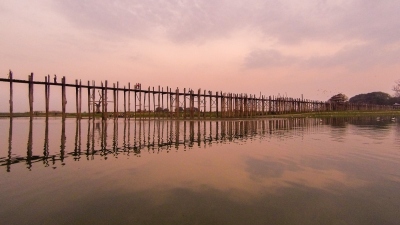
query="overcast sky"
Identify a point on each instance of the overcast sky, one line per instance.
(316, 48)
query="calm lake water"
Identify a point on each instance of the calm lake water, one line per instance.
(264, 171)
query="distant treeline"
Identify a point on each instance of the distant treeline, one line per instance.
(377, 98)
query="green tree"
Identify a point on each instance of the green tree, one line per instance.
(376, 98)
(339, 98)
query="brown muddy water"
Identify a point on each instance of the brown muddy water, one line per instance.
(264, 171)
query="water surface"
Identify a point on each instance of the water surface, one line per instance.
(264, 171)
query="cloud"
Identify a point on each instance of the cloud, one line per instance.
(264, 58)
(180, 21)
(357, 57)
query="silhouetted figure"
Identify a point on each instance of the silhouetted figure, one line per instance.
(55, 79)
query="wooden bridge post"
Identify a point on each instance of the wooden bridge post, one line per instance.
(269, 104)
(177, 103)
(241, 105)
(263, 105)
(148, 91)
(171, 106)
(102, 101)
(205, 104)
(198, 103)
(129, 99)
(144, 104)
(158, 103)
(216, 104)
(114, 101)
(94, 109)
(80, 99)
(154, 104)
(117, 98)
(191, 103)
(140, 102)
(222, 104)
(64, 97)
(168, 98)
(30, 87)
(47, 94)
(162, 102)
(77, 98)
(88, 89)
(105, 100)
(10, 75)
(210, 93)
(184, 103)
(125, 102)
(135, 99)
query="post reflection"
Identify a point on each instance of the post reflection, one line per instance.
(9, 161)
(46, 144)
(77, 142)
(29, 146)
(157, 136)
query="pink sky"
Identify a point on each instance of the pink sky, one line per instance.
(314, 48)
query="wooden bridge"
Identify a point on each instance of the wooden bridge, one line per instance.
(174, 104)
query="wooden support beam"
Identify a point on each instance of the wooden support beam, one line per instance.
(10, 76)
(198, 103)
(30, 92)
(64, 97)
(125, 102)
(184, 103)
(47, 94)
(88, 98)
(177, 112)
(129, 99)
(114, 102)
(77, 98)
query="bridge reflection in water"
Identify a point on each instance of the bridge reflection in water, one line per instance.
(110, 138)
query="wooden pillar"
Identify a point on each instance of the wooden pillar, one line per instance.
(117, 98)
(168, 110)
(210, 93)
(177, 103)
(154, 104)
(30, 87)
(191, 104)
(162, 101)
(216, 104)
(135, 93)
(114, 101)
(171, 104)
(204, 106)
(198, 103)
(148, 91)
(47, 93)
(77, 98)
(80, 99)
(88, 89)
(241, 105)
(102, 102)
(124, 103)
(105, 100)
(94, 109)
(159, 105)
(184, 103)
(129, 99)
(140, 102)
(64, 97)
(10, 76)
(222, 105)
